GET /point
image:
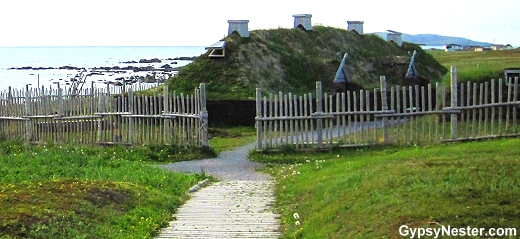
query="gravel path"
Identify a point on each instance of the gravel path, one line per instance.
(229, 165)
(238, 206)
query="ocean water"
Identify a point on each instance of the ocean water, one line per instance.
(82, 57)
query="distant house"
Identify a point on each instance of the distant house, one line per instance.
(482, 48)
(454, 47)
(509, 47)
(497, 47)
(469, 48)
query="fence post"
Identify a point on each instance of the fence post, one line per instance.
(28, 112)
(100, 120)
(454, 101)
(61, 112)
(384, 106)
(204, 115)
(166, 110)
(131, 119)
(319, 112)
(258, 122)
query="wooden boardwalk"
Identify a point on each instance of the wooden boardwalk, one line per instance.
(227, 209)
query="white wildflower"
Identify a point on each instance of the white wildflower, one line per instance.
(296, 216)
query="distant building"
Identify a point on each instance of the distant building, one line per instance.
(454, 47)
(497, 47)
(396, 37)
(469, 48)
(303, 21)
(482, 48)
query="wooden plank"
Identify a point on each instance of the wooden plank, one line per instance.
(278, 125)
(508, 108)
(100, 122)
(423, 110)
(259, 135)
(355, 109)
(480, 115)
(515, 98)
(392, 106)
(331, 121)
(398, 110)
(131, 105)
(430, 108)
(403, 91)
(375, 108)
(302, 122)
(468, 112)
(297, 129)
(349, 118)
(230, 209)
(362, 97)
(271, 124)
(319, 110)
(343, 118)
(500, 111)
(492, 109)
(291, 132)
(412, 117)
(305, 113)
(417, 106)
(265, 125)
(486, 110)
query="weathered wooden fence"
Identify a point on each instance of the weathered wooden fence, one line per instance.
(399, 115)
(102, 116)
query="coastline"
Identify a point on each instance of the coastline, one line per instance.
(48, 66)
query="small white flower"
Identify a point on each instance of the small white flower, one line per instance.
(296, 216)
(297, 223)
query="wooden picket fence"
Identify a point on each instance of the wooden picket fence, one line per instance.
(398, 115)
(104, 116)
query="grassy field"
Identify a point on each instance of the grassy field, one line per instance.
(223, 139)
(370, 193)
(68, 191)
(88, 192)
(478, 66)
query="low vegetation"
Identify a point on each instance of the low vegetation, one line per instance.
(292, 60)
(54, 191)
(70, 191)
(371, 192)
(224, 139)
(478, 67)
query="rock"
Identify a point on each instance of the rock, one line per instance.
(154, 60)
(184, 58)
(128, 62)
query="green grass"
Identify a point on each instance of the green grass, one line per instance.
(369, 193)
(281, 59)
(477, 66)
(224, 139)
(86, 192)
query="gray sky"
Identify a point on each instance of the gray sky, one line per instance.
(203, 22)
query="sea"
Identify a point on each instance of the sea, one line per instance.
(29, 67)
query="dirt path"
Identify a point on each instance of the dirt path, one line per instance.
(238, 206)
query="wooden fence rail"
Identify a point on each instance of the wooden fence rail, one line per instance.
(99, 116)
(399, 115)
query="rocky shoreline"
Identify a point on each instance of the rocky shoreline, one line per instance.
(164, 68)
(156, 74)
